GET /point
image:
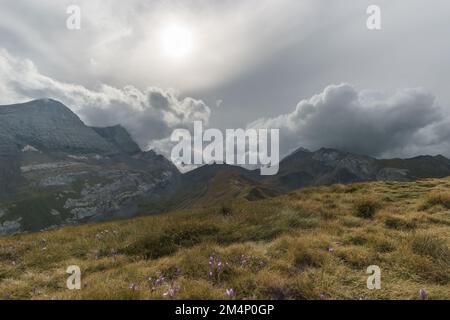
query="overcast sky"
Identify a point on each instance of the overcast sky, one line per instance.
(308, 67)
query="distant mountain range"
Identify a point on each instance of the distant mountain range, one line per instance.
(55, 170)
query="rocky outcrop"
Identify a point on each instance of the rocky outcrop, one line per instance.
(10, 227)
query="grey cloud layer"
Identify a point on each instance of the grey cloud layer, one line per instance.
(404, 123)
(119, 41)
(149, 115)
(257, 56)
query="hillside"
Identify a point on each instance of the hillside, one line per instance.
(215, 185)
(309, 244)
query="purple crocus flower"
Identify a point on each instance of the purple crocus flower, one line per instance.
(323, 296)
(219, 267)
(169, 293)
(160, 280)
(330, 249)
(423, 294)
(133, 286)
(211, 261)
(230, 293)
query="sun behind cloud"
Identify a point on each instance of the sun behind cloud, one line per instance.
(177, 41)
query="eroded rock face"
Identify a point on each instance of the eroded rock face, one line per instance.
(54, 170)
(89, 189)
(60, 180)
(121, 189)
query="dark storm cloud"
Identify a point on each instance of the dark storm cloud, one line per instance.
(365, 122)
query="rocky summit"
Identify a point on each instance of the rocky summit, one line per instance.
(47, 125)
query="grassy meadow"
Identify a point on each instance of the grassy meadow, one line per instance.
(313, 243)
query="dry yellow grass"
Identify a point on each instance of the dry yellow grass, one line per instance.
(312, 242)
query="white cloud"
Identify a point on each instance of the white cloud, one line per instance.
(406, 122)
(149, 115)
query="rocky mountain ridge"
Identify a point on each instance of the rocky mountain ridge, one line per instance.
(55, 170)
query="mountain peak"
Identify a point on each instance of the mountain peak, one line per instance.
(296, 154)
(47, 125)
(38, 104)
(329, 150)
(301, 149)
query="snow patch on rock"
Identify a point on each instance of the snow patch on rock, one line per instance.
(29, 148)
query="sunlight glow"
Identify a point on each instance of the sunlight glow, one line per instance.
(177, 41)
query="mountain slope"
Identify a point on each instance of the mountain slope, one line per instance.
(54, 170)
(311, 244)
(220, 185)
(421, 167)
